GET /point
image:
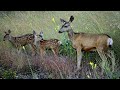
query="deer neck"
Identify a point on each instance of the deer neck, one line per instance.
(35, 40)
(12, 39)
(71, 34)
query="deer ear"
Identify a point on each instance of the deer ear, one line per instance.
(63, 21)
(9, 31)
(5, 32)
(71, 19)
(34, 32)
(41, 33)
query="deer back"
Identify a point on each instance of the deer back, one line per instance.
(51, 43)
(88, 41)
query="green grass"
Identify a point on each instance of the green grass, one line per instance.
(23, 22)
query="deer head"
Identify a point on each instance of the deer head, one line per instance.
(7, 35)
(37, 37)
(40, 36)
(66, 25)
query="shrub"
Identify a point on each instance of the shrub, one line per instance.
(9, 74)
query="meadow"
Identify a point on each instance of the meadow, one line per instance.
(25, 66)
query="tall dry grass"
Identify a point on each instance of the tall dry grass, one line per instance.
(23, 22)
(49, 67)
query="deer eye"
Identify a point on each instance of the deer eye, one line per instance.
(40, 35)
(65, 26)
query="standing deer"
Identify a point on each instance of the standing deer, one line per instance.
(21, 41)
(52, 44)
(86, 41)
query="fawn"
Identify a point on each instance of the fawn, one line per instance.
(52, 44)
(86, 41)
(21, 41)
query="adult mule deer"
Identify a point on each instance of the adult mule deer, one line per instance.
(85, 41)
(43, 44)
(21, 41)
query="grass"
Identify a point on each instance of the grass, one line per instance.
(25, 66)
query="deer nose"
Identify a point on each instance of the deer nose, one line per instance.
(60, 32)
(3, 39)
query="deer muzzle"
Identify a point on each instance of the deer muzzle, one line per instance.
(59, 32)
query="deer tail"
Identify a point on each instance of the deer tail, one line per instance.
(110, 42)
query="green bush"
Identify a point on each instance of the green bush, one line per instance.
(67, 49)
(9, 74)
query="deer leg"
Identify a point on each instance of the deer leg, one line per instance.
(34, 50)
(55, 51)
(18, 50)
(111, 56)
(113, 61)
(79, 58)
(42, 52)
(102, 55)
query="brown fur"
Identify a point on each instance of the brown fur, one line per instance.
(85, 41)
(20, 41)
(89, 42)
(51, 44)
